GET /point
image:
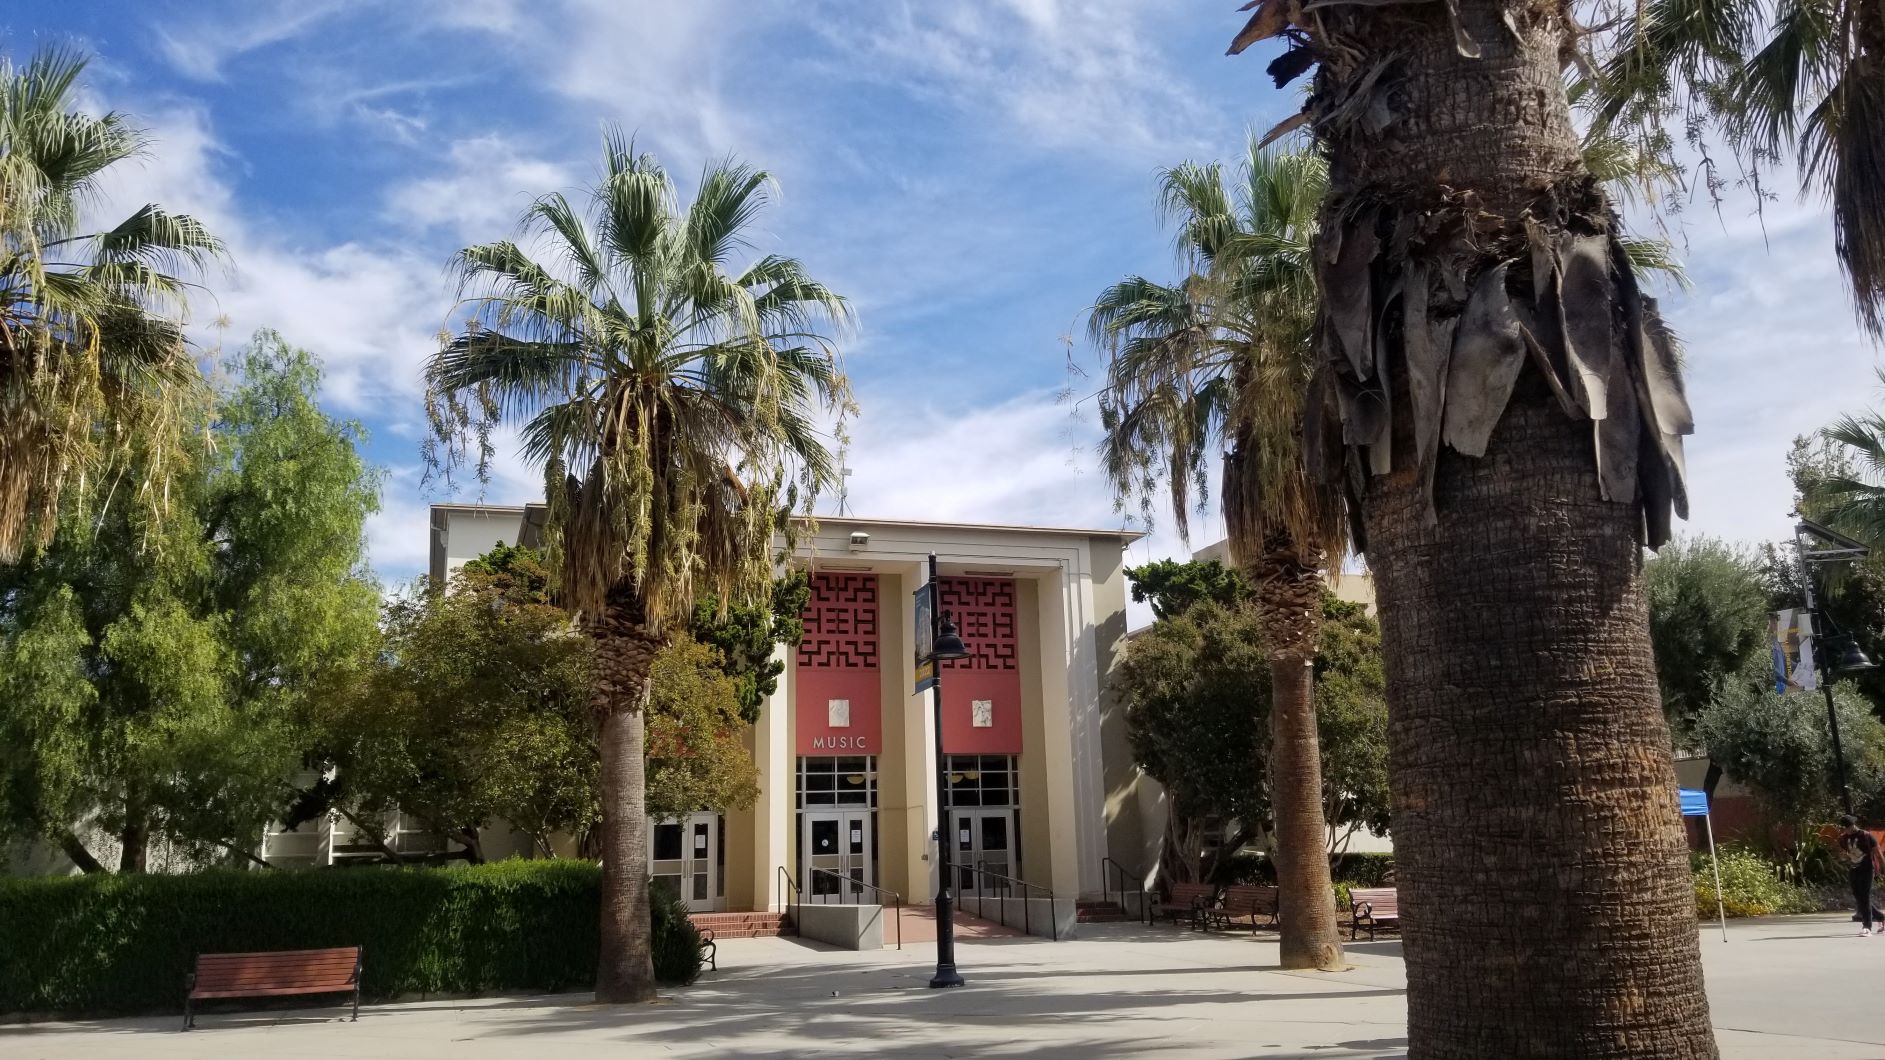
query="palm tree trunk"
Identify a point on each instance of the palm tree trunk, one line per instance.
(625, 651)
(1545, 892)
(1289, 599)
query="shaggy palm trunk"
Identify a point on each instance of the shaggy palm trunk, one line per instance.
(625, 652)
(1545, 890)
(1289, 599)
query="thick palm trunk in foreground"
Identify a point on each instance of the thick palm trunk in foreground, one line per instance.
(1289, 598)
(625, 654)
(1510, 409)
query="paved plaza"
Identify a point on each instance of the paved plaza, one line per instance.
(1781, 988)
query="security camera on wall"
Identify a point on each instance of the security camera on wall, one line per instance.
(859, 540)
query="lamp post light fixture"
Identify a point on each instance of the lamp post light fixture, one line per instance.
(946, 645)
(1834, 547)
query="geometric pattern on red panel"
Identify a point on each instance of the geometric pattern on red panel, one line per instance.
(984, 612)
(840, 623)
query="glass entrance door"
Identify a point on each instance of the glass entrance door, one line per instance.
(984, 839)
(836, 846)
(683, 858)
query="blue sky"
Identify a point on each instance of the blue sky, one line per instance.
(969, 174)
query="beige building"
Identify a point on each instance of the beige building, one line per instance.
(1040, 777)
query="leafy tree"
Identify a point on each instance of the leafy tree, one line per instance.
(95, 377)
(1221, 361)
(1198, 702)
(669, 402)
(156, 664)
(476, 709)
(1197, 694)
(1707, 623)
(1352, 722)
(697, 759)
(1503, 403)
(746, 634)
(1779, 745)
(1174, 587)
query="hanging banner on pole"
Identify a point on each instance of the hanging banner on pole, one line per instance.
(925, 639)
(1790, 640)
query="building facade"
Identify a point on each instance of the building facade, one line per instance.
(1040, 778)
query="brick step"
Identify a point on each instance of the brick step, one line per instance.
(743, 925)
(1100, 913)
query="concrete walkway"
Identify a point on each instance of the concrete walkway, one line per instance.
(1795, 987)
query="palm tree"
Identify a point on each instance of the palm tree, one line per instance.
(671, 403)
(1221, 361)
(1504, 406)
(1800, 77)
(1852, 497)
(92, 356)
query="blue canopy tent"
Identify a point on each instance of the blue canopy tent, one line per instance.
(1695, 804)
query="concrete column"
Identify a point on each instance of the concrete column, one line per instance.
(911, 807)
(1062, 872)
(762, 833)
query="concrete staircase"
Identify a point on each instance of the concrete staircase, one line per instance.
(1099, 913)
(743, 925)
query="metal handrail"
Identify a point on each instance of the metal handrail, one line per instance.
(860, 883)
(1145, 907)
(785, 880)
(1027, 927)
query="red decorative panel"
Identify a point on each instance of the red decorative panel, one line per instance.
(838, 661)
(984, 612)
(840, 623)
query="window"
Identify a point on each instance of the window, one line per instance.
(984, 780)
(837, 781)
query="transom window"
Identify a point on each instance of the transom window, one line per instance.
(984, 780)
(837, 781)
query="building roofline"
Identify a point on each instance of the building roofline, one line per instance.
(1120, 533)
(859, 520)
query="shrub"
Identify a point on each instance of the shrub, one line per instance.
(1750, 886)
(124, 943)
(676, 942)
(1370, 869)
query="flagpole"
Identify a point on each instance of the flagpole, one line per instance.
(1721, 911)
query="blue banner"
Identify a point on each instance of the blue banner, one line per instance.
(1694, 803)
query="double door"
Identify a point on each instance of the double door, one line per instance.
(684, 859)
(839, 855)
(984, 839)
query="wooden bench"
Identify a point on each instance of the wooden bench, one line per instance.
(1247, 901)
(1374, 907)
(1191, 900)
(279, 974)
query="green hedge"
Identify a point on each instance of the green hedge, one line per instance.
(1371, 869)
(1750, 886)
(124, 943)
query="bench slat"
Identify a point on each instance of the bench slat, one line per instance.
(330, 951)
(272, 991)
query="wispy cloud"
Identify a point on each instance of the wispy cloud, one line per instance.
(200, 48)
(1087, 75)
(486, 183)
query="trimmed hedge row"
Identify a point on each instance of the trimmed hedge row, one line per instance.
(124, 943)
(1369, 869)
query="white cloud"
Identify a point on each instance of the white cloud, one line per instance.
(1060, 73)
(199, 48)
(371, 312)
(1772, 352)
(481, 193)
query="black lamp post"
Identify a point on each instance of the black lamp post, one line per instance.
(1834, 547)
(947, 644)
